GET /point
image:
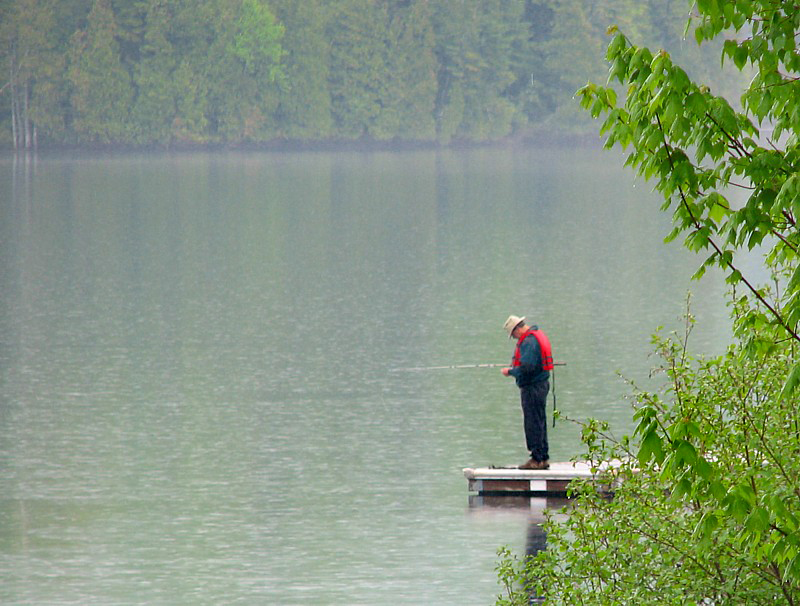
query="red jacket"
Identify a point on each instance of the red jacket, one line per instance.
(533, 358)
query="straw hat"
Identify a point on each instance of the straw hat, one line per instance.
(512, 323)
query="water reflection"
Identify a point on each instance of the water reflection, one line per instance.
(535, 509)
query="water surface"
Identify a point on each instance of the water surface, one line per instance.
(200, 400)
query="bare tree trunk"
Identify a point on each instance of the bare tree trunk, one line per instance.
(26, 122)
(16, 135)
(13, 93)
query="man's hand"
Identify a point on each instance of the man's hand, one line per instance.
(505, 371)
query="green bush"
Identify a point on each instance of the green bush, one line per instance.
(707, 501)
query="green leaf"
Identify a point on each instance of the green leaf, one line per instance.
(740, 57)
(790, 385)
(708, 523)
(758, 520)
(717, 211)
(651, 447)
(698, 240)
(686, 454)
(703, 468)
(682, 489)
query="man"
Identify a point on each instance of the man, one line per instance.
(530, 366)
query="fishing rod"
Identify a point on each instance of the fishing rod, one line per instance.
(461, 366)
(450, 367)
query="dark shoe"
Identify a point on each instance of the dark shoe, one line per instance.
(532, 464)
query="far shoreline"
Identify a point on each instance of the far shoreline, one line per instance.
(552, 140)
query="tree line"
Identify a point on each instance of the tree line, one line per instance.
(165, 72)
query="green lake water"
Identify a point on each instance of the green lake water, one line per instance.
(199, 394)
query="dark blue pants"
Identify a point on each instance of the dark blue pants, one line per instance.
(534, 400)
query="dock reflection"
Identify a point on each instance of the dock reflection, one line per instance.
(534, 507)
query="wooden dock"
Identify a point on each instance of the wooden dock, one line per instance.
(498, 481)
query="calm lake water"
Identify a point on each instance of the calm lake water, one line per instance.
(199, 394)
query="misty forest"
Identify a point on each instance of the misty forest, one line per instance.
(200, 72)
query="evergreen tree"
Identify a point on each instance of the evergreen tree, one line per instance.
(195, 28)
(304, 107)
(356, 32)
(488, 111)
(191, 121)
(131, 17)
(531, 91)
(34, 67)
(409, 97)
(571, 54)
(474, 48)
(242, 67)
(147, 71)
(101, 88)
(154, 108)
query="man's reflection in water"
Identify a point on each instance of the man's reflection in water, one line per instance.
(536, 539)
(536, 542)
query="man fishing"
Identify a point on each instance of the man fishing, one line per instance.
(530, 367)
